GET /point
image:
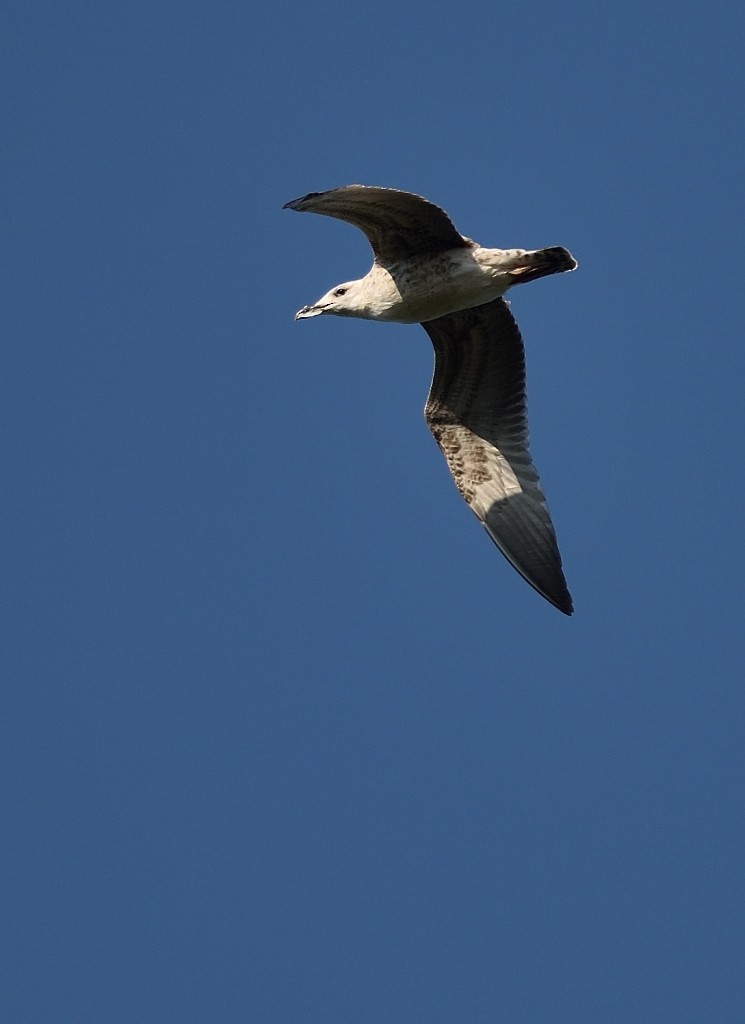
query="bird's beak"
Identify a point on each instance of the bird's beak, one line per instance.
(307, 311)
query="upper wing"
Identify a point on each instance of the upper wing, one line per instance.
(476, 411)
(397, 224)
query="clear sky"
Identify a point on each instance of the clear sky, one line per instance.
(284, 738)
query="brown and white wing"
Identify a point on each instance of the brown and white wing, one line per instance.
(397, 224)
(477, 413)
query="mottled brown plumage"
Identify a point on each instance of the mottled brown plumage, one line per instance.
(476, 411)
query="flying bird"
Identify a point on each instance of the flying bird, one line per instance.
(424, 271)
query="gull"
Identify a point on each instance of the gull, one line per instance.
(424, 271)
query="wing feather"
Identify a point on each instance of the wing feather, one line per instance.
(477, 412)
(397, 224)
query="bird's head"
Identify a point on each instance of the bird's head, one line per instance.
(344, 300)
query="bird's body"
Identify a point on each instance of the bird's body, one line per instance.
(412, 291)
(426, 272)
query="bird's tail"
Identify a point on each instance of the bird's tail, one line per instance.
(529, 266)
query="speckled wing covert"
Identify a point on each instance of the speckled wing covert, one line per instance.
(476, 410)
(397, 224)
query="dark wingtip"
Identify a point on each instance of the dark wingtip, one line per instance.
(297, 204)
(560, 597)
(557, 595)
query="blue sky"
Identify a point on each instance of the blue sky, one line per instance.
(284, 738)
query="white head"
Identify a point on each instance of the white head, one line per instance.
(346, 299)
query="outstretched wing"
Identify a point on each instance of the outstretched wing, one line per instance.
(477, 413)
(397, 224)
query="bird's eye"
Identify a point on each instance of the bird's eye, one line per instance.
(338, 292)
